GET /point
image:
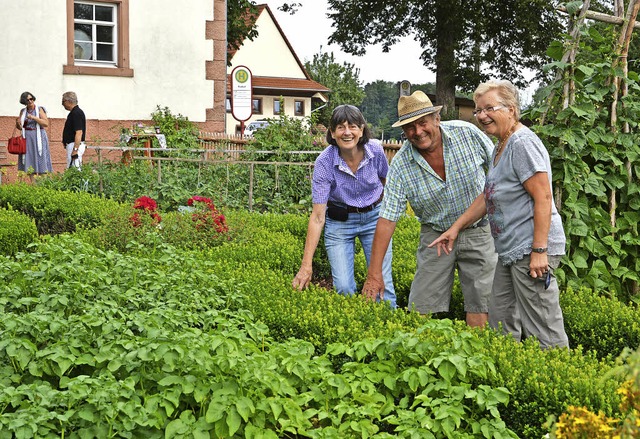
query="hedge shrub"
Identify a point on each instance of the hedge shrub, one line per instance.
(599, 324)
(147, 346)
(55, 211)
(253, 276)
(17, 231)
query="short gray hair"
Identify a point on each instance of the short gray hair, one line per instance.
(71, 97)
(507, 92)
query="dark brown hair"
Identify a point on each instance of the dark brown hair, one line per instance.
(350, 114)
(24, 96)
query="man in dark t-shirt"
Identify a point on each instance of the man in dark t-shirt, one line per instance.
(75, 128)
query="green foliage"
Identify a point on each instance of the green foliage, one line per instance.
(594, 167)
(546, 382)
(55, 211)
(461, 44)
(17, 232)
(148, 347)
(110, 179)
(342, 79)
(238, 28)
(181, 337)
(599, 324)
(179, 132)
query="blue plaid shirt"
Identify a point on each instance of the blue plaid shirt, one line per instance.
(438, 203)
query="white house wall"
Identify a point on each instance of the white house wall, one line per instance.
(267, 55)
(168, 51)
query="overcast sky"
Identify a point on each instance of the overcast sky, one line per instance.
(308, 32)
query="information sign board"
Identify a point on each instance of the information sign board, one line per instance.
(241, 93)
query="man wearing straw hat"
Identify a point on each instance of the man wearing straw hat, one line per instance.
(439, 170)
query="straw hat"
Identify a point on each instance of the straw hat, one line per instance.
(414, 107)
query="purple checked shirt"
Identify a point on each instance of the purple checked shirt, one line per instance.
(334, 181)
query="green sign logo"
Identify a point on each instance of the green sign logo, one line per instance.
(242, 76)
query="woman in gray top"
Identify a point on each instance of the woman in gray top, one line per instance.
(525, 224)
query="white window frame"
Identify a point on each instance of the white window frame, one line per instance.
(113, 62)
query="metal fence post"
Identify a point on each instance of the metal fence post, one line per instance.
(251, 186)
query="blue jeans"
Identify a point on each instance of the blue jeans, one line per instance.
(340, 242)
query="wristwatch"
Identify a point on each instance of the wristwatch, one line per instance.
(539, 249)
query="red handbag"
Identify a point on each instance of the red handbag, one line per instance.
(17, 144)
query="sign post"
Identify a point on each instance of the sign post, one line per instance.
(405, 88)
(241, 95)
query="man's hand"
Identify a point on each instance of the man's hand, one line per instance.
(373, 287)
(302, 279)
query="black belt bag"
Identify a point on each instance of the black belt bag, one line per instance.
(337, 213)
(341, 213)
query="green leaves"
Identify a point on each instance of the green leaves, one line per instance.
(590, 164)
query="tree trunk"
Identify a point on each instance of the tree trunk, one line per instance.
(445, 65)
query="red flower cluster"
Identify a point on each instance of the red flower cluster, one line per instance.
(206, 215)
(148, 205)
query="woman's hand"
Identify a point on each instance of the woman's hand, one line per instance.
(446, 241)
(539, 265)
(302, 279)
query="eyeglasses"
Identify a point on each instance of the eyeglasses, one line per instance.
(479, 111)
(547, 278)
(30, 99)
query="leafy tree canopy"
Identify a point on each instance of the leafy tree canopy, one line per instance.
(342, 79)
(238, 27)
(464, 41)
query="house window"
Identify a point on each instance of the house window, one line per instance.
(98, 38)
(298, 108)
(94, 33)
(276, 106)
(257, 106)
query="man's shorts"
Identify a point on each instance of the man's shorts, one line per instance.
(475, 258)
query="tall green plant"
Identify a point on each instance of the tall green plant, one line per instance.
(179, 131)
(289, 184)
(595, 168)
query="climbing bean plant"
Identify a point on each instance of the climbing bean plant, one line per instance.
(595, 167)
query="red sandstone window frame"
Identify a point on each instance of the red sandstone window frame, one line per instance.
(122, 57)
